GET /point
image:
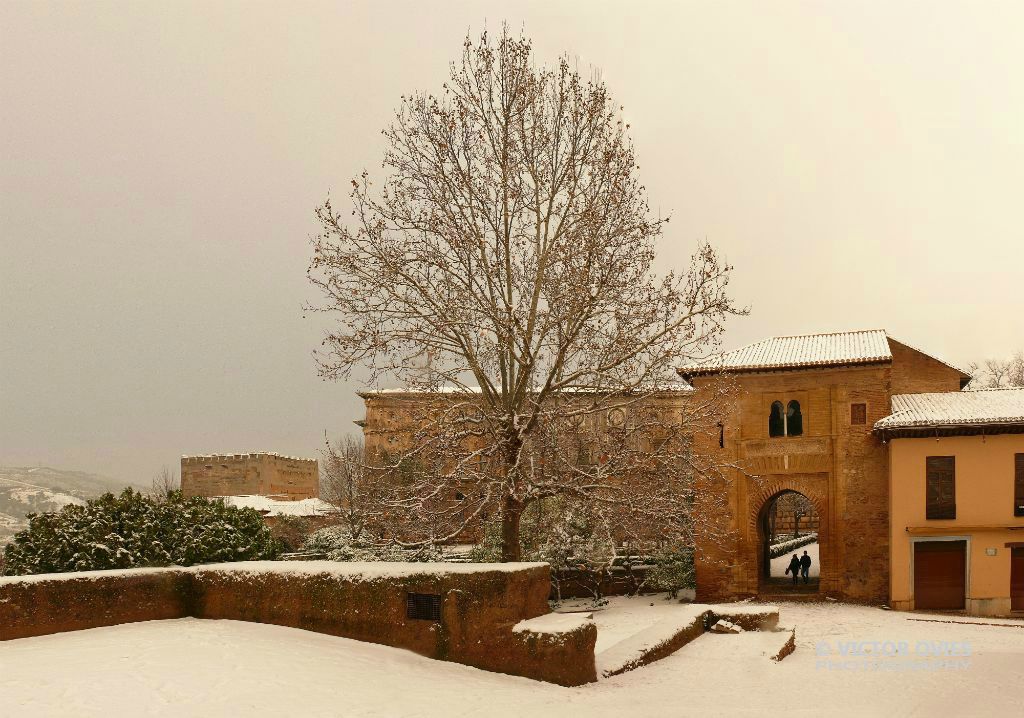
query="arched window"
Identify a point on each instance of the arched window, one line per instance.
(794, 419)
(776, 422)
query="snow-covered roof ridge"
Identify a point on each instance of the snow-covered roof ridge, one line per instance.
(955, 408)
(864, 346)
(244, 455)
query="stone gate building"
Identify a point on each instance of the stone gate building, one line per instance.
(802, 423)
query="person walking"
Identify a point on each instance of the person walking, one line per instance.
(805, 566)
(794, 568)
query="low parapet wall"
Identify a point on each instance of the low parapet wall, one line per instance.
(475, 607)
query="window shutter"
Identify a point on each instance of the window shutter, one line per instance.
(1018, 503)
(858, 413)
(940, 493)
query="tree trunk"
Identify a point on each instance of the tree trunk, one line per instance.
(511, 513)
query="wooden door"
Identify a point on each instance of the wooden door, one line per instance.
(1017, 579)
(940, 575)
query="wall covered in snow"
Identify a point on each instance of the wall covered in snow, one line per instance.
(470, 609)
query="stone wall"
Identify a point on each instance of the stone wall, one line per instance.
(480, 606)
(261, 474)
(53, 603)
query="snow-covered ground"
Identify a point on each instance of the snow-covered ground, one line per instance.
(624, 616)
(225, 668)
(781, 563)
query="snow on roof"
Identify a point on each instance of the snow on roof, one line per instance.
(677, 385)
(805, 350)
(955, 408)
(279, 507)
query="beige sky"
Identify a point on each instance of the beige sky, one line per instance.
(861, 164)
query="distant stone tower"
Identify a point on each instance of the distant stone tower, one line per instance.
(261, 474)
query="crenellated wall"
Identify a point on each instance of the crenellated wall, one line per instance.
(262, 474)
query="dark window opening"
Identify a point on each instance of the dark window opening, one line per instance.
(940, 493)
(794, 419)
(721, 435)
(858, 413)
(423, 607)
(776, 421)
(1018, 502)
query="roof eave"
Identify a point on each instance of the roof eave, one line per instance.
(688, 372)
(934, 430)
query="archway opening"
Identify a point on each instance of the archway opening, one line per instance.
(790, 559)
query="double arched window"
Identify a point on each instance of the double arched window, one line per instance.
(785, 420)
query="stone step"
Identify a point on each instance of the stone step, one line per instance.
(668, 635)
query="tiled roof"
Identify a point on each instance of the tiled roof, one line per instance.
(955, 408)
(807, 350)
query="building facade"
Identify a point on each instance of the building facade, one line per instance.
(956, 464)
(802, 422)
(825, 416)
(261, 474)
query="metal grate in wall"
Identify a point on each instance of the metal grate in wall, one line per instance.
(423, 606)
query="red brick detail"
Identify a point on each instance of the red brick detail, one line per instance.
(771, 487)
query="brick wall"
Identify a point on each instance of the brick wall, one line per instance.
(480, 606)
(841, 466)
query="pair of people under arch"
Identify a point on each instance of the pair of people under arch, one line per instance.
(800, 565)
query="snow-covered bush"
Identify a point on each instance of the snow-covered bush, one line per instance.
(571, 537)
(338, 544)
(784, 547)
(672, 571)
(134, 530)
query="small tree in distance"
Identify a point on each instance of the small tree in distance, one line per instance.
(164, 484)
(505, 266)
(356, 493)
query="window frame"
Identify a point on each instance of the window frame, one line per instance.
(1018, 484)
(939, 468)
(776, 423)
(858, 410)
(798, 416)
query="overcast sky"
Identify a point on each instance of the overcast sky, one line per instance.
(860, 163)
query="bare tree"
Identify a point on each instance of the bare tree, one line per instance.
(794, 506)
(164, 484)
(506, 266)
(998, 373)
(356, 493)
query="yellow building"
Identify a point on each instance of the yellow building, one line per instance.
(956, 495)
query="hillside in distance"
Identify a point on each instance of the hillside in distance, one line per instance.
(36, 489)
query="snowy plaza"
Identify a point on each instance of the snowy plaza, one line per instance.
(843, 666)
